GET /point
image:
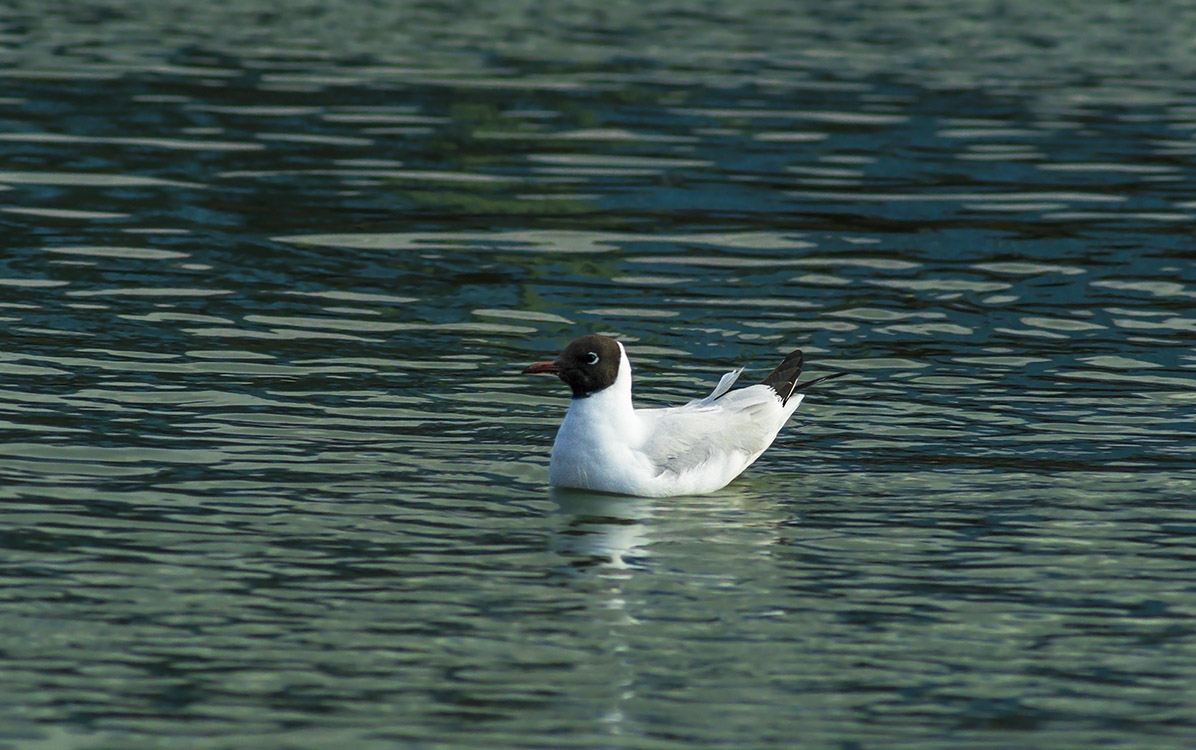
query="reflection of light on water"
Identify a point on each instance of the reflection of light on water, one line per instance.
(602, 529)
(607, 532)
(600, 532)
(622, 551)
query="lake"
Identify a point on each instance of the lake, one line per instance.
(270, 476)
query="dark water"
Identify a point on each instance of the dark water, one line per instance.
(268, 275)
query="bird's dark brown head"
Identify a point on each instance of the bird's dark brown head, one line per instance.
(588, 365)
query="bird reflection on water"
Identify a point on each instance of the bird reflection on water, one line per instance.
(600, 529)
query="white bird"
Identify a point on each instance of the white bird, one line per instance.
(606, 444)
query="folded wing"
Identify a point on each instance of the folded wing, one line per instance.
(724, 385)
(723, 432)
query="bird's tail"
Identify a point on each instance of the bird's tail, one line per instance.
(783, 380)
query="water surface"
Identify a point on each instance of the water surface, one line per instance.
(270, 475)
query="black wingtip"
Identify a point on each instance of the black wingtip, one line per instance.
(783, 380)
(822, 379)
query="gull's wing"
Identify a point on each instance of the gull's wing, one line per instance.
(714, 431)
(724, 385)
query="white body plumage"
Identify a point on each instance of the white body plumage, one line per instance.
(607, 445)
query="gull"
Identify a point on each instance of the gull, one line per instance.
(607, 445)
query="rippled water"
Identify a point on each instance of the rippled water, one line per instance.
(270, 476)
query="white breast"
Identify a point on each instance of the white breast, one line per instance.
(597, 446)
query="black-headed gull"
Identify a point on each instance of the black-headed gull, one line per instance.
(607, 445)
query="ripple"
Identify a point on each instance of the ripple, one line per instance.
(1029, 332)
(91, 179)
(335, 324)
(1107, 167)
(989, 133)
(68, 74)
(1160, 216)
(1152, 287)
(1002, 361)
(374, 117)
(159, 317)
(232, 354)
(947, 381)
(33, 283)
(1119, 363)
(615, 161)
(529, 315)
(880, 264)
(344, 296)
(63, 213)
(1027, 155)
(1061, 324)
(877, 314)
(790, 137)
(821, 279)
(941, 285)
(826, 171)
(842, 118)
(277, 334)
(1015, 207)
(556, 241)
(881, 363)
(89, 454)
(713, 261)
(256, 110)
(653, 280)
(409, 175)
(631, 312)
(1174, 323)
(757, 240)
(768, 302)
(1139, 378)
(526, 241)
(617, 135)
(929, 329)
(16, 370)
(1029, 196)
(176, 144)
(135, 253)
(326, 140)
(150, 292)
(1027, 269)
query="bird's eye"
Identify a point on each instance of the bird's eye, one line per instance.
(593, 358)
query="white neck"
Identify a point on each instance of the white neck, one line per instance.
(611, 405)
(605, 416)
(600, 430)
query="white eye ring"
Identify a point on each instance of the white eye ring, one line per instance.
(593, 358)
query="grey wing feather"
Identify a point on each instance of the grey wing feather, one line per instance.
(724, 385)
(688, 436)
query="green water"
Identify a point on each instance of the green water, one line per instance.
(270, 477)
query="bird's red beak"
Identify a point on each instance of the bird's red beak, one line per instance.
(538, 367)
